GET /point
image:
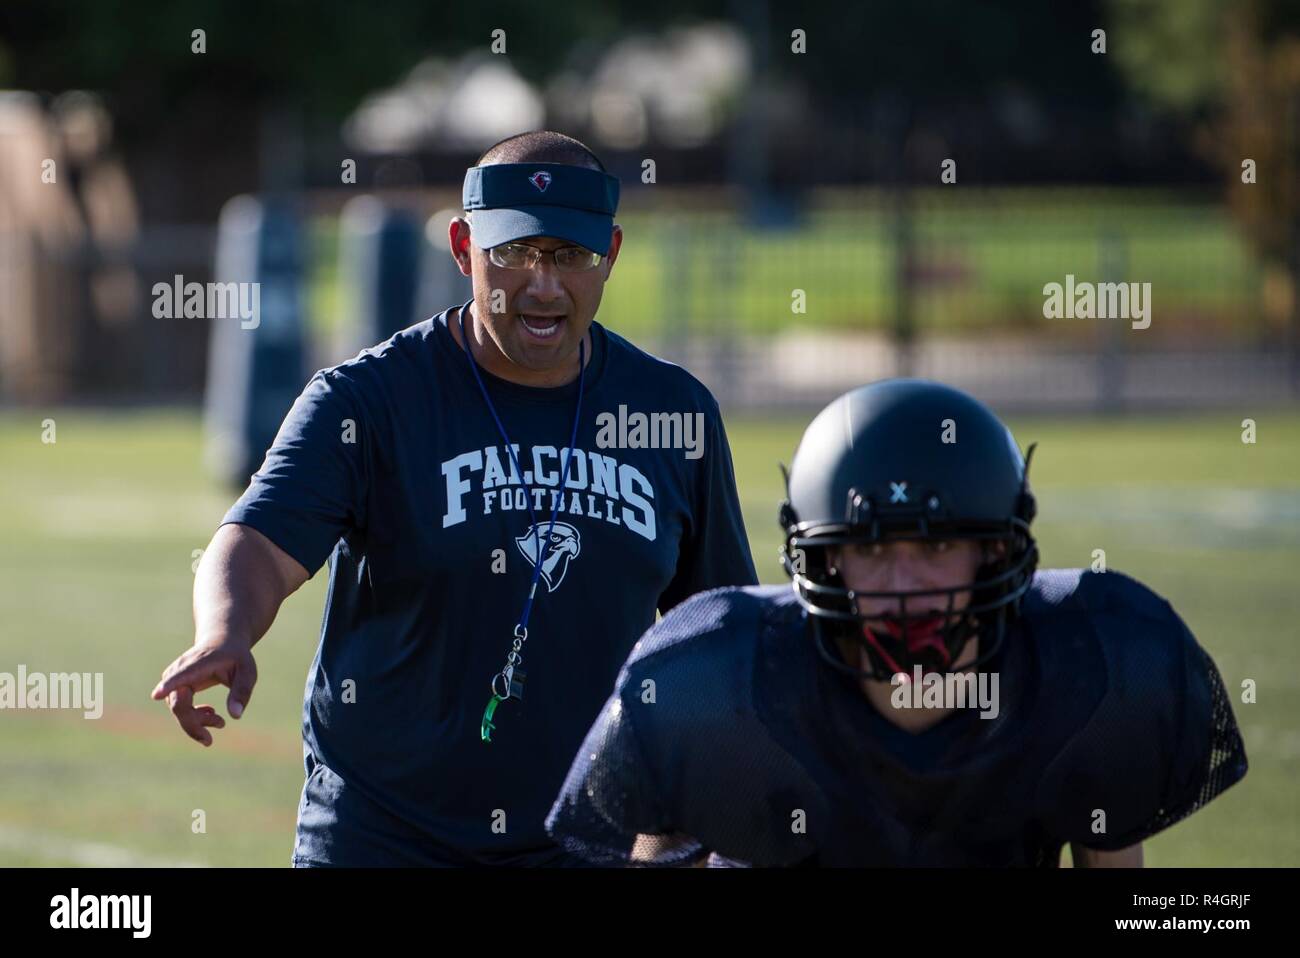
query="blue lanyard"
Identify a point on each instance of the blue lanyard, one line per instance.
(511, 677)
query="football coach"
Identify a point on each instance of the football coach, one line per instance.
(495, 548)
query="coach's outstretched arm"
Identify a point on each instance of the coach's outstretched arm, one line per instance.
(308, 493)
(241, 581)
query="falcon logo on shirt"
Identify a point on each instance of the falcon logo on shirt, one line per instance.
(541, 179)
(558, 548)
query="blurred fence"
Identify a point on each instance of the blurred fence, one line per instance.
(845, 287)
(949, 284)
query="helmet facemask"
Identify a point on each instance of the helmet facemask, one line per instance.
(925, 628)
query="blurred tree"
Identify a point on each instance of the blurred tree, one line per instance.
(1234, 65)
(1171, 51)
(323, 53)
(271, 70)
(326, 54)
(1011, 85)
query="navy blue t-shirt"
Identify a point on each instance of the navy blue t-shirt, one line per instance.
(391, 466)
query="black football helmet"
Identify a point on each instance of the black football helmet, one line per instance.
(908, 459)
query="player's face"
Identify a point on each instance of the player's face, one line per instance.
(536, 317)
(908, 566)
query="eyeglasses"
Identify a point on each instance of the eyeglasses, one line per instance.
(568, 259)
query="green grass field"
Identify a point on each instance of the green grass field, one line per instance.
(97, 546)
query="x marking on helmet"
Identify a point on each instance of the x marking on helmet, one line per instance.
(898, 492)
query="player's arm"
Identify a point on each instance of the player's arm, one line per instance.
(1085, 857)
(650, 849)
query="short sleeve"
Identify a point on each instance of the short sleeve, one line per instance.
(310, 489)
(1162, 744)
(609, 798)
(716, 553)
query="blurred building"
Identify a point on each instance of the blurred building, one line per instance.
(67, 222)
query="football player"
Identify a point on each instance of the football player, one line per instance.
(921, 696)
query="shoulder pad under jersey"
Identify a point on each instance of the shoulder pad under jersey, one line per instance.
(678, 750)
(1161, 740)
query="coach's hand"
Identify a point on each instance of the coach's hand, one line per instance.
(229, 663)
(239, 584)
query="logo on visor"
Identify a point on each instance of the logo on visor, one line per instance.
(541, 179)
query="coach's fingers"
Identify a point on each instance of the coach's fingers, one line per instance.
(167, 682)
(182, 706)
(195, 670)
(180, 701)
(209, 717)
(241, 687)
(186, 659)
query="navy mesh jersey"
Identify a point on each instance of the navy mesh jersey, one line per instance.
(727, 734)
